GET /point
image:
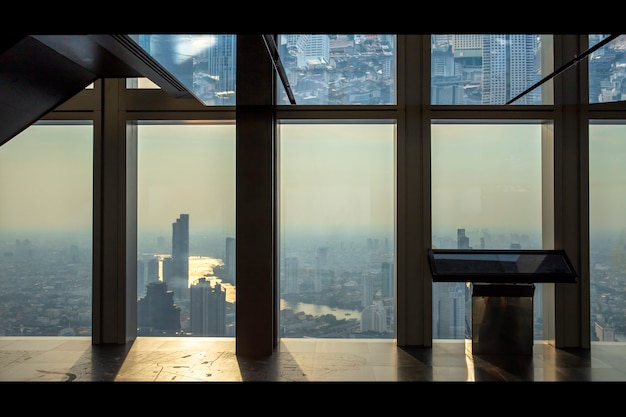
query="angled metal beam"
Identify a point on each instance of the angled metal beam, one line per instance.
(270, 43)
(565, 66)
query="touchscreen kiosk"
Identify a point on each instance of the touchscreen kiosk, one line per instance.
(501, 266)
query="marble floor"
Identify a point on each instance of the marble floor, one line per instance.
(189, 359)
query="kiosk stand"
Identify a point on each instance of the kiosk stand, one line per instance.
(503, 284)
(502, 318)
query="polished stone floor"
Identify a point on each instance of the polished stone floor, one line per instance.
(189, 359)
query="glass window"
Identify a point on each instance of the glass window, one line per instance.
(486, 69)
(607, 231)
(607, 70)
(337, 202)
(46, 193)
(325, 69)
(486, 194)
(186, 229)
(204, 63)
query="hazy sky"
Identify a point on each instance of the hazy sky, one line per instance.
(607, 177)
(333, 176)
(46, 179)
(186, 169)
(486, 176)
(336, 178)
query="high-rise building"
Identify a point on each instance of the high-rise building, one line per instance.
(292, 285)
(141, 277)
(208, 309)
(374, 318)
(153, 271)
(386, 275)
(156, 312)
(367, 289)
(509, 67)
(180, 257)
(221, 69)
(230, 260)
(462, 241)
(321, 269)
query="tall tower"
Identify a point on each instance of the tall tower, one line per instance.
(221, 68)
(180, 256)
(208, 309)
(321, 269)
(230, 261)
(153, 271)
(462, 241)
(141, 277)
(367, 289)
(455, 291)
(510, 65)
(291, 276)
(156, 312)
(386, 274)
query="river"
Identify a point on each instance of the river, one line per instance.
(320, 310)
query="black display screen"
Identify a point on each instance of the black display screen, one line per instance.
(501, 266)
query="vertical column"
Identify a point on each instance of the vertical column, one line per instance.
(115, 225)
(571, 215)
(255, 199)
(413, 236)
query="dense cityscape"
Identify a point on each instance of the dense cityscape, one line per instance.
(45, 287)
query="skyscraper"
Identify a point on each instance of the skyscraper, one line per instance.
(386, 274)
(141, 277)
(292, 285)
(180, 256)
(230, 261)
(321, 269)
(156, 312)
(221, 69)
(462, 241)
(153, 271)
(509, 67)
(208, 309)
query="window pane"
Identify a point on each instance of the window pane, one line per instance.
(486, 69)
(607, 231)
(186, 230)
(339, 69)
(46, 231)
(337, 230)
(607, 70)
(204, 63)
(486, 194)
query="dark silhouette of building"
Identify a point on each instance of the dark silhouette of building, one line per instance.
(156, 312)
(208, 309)
(386, 274)
(230, 260)
(180, 257)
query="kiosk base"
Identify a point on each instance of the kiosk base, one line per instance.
(502, 318)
